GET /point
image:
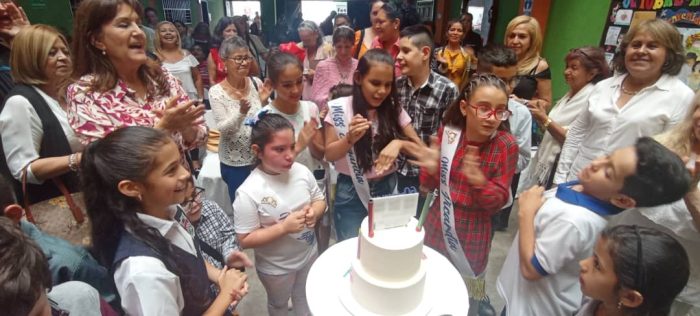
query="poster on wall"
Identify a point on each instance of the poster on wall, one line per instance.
(684, 14)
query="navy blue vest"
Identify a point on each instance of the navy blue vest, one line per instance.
(194, 283)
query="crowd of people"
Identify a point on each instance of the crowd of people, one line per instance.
(605, 179)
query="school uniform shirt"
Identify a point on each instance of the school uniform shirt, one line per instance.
(473, 205)
(145, 285)
(425, 105)
(265, 200)
(566, 230)
(342, 165)
(307, 110)
(604, 127)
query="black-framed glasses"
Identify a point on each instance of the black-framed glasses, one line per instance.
(485, 112)
(196, 196)
(240, 60)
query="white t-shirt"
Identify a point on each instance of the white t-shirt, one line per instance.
(264, 200)
(307, 110)
(564, 235)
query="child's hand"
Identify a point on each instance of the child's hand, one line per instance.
(238, 259)
(530, 201)
(310, 217)
(357, 129)
(306, 134)
(425, 157)
(265, 91)
(471, 167)
(295, 222)
(232, 282)
(387, 157)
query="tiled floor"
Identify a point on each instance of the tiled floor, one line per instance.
(254, 303)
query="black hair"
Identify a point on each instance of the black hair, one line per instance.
(149, 9)
(242, 27)
(278, 61)
(419, 35)
(496, 55)
(650, 262)
(409, 14)
(267, 124)
(387, 113)
(453, 115)
(343, 33)
(340, 90)
(223, 23)
(660, 177)
(24, 270)
(125, 154)
(343, 16)
(7, 194)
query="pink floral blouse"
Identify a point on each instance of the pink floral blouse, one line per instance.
(93, 115)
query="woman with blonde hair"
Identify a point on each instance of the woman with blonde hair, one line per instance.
(36, 137)
(644, 98)
(179, 62)
(524, 37)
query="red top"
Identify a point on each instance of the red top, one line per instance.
(473, 206)
(220, 67)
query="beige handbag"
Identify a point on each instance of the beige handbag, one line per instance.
(62, 216)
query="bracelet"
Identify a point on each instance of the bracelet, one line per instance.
(546, 123)
(72, 163)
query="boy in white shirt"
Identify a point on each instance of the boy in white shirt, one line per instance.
(557, 230)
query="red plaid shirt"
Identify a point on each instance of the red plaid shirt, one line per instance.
(473, 206)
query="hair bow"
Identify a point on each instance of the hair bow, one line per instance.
(252, 121)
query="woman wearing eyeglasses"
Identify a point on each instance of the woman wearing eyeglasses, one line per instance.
(585, 67)
(234, 99)
(473, 166)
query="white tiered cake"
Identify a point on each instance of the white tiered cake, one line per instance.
(388, 275)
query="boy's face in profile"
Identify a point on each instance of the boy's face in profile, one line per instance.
(604, 177)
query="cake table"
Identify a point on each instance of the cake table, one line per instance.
(328, 282)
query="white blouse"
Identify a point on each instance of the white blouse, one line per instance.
(563, 113)
(234, 147)
(603, 127)
(182, 70)
(22, 132)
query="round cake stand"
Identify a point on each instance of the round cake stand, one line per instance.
(328, 282)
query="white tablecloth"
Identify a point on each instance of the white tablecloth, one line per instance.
(215, 188)
(327, 273)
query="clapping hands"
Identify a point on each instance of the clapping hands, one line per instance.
(179, 117)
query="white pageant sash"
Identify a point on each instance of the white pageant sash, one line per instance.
(450, 141)
(340, 122)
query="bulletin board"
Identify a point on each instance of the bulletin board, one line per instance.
(684, 14)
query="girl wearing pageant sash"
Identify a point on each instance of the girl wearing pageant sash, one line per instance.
(364, 134)
(480, 155)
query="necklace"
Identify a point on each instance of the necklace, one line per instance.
(343, 75)
(627, 92)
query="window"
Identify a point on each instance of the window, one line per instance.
(177, 10)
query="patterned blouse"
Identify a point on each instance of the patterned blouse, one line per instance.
(473, 205)
(94, 114)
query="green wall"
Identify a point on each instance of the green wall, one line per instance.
(51, 12)
(507, 10)
(571, 24)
